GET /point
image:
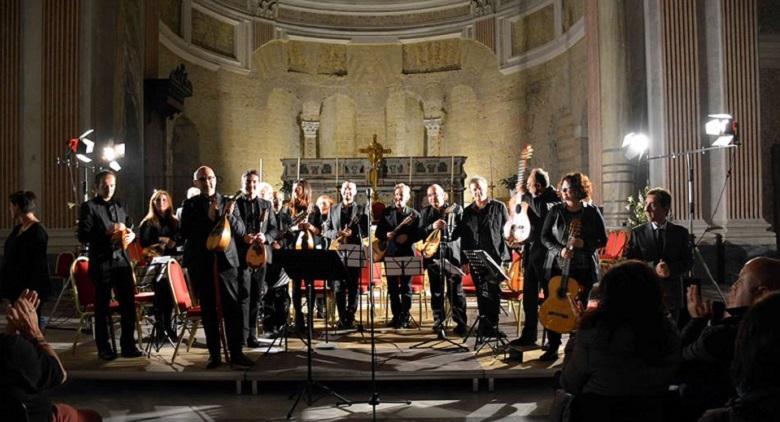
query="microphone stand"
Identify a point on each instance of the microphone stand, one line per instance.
(374, 400)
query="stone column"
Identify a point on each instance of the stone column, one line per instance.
(611, 172)
(432, 136)
(310, 128)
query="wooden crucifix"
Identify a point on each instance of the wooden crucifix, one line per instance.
(376, 154)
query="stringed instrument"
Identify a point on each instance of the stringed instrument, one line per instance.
(305, 238)
(221, 234)
(430, 246)
(515, 282)
(560, 312)
(334, 245)
(380, 246)
(255, 255)
(518, 227)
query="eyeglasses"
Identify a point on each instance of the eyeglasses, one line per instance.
(204, 178)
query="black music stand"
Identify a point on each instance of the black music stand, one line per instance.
(485, 271)
(354, 256)
(283, 281)
(309, 265)
(155, 272)
(404, 266)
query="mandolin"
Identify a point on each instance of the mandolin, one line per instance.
(255, 255)
(430, 246)
(305, 238)
(559, 312)
(518, 227)
(380, 246)
(220, 236)
(334, 245)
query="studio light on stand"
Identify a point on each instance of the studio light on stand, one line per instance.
(112, 153)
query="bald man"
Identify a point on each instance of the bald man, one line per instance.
(708, 345)
(199, 216)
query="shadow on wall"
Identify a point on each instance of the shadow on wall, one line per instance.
(185, 156)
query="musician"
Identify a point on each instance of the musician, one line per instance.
(104, 227)
(575, 190)
(257, 215)
(347, 222)
(435, 217)
(665, 246)
(399, 244)
(277, 301)
(540, 197)
(481, 229)
(324, 204)
(159, 231)
(199, 216)
(302, 203)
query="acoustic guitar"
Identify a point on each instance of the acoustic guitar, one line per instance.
(255, 255)
(430, 246)
(559, 312)
(380, 246)
(518, 227)
(334, 245)
(515, 282)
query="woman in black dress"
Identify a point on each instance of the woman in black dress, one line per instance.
(158, 232)
(24, 261)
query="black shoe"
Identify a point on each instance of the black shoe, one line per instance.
(214, 362)
(394, 323)
(550, 355)
(252, 342)
(461, 330)
(132, 353)
(270, 335)
(405, 321)
(522, 342)
(107, 355)
(437, 326)
(240, 359)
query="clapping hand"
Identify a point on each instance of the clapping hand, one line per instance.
(696, 306)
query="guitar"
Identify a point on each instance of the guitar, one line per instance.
(334, 245)
(515, 283)
(518, 227)
(305, 238)
(255, 255)
(560, 312)
(380, 246)
(430, 246)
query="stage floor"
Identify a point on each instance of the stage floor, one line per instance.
(345, 356)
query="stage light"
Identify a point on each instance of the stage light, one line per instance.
(82, 147)
(115, 165)
(112, 153)
(724, 127)
(635, 145)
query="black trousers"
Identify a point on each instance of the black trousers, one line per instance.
(121, 281)
(346, 292)
(533, 277)
(584, 278)
(254, 286)
(232, 302)
(276, 300)
(400, 290)
(454, 294)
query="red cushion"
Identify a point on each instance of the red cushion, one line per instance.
(144, 297)
(468, 284)
(194, 311)
(112, 306)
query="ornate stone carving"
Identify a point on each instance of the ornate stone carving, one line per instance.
(310, 128)
(482, 7)
(264, 8)
(432, 56)
(432, 136)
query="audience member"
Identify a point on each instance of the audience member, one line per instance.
(708, 346)
(626, 350)
(30, 367)
(755, 369)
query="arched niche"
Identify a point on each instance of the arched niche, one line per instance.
(404, 124)
(184, 156)
(338, 122)
(281, 135)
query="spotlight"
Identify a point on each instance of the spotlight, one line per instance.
(724, 127)
(635, 145)
(82, 147)
(112, 153)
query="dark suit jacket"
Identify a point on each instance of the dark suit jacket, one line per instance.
(266, 223)
(332, 226)
(534, 250)
(94, 222)
(676, 253)
(429, 215)
(389, 221)
(195, 229)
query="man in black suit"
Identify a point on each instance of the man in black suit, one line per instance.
(665, 246)
(258, 217)
(199, 215)
(348, 222)
(399, 244)
(277, 300)
(104, 227)
(435, 217)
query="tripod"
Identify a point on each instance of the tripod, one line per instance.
(374, 400)
(308, 265)
(486, 274)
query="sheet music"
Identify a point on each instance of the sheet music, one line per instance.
(449, 268)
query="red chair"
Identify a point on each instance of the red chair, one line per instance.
(468, 285)
(363, 287)
(84, 298)
(612, 253)
(321, 288)
(184, 311)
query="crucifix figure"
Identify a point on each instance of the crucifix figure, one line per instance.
(376, 153)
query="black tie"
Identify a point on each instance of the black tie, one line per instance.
(659, 242)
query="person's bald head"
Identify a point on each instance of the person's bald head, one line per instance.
(205, 180)
(758, 277)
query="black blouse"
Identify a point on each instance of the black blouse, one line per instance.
(24, 262)
(151, 233)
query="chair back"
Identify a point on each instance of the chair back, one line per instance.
(179, 288)
(81, 283)
(63, 263)
(136, 252)
(617, 242)
(377, 274)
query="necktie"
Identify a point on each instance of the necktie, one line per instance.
(659, 242)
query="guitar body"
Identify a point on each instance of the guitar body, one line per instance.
(559, 312)
(518, 228)
(431, 244)
(380, 248)
(521, 230)
(219, 238)
(255, 256)
(516, 275)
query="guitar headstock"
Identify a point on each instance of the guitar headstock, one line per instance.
(527, 152)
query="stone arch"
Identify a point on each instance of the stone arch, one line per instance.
(338, 124)
(184, 156)
(404, 125)
(281, 136)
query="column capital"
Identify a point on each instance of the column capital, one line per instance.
(432, 125)
(310, 127)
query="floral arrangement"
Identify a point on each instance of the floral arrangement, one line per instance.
(636, 208)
